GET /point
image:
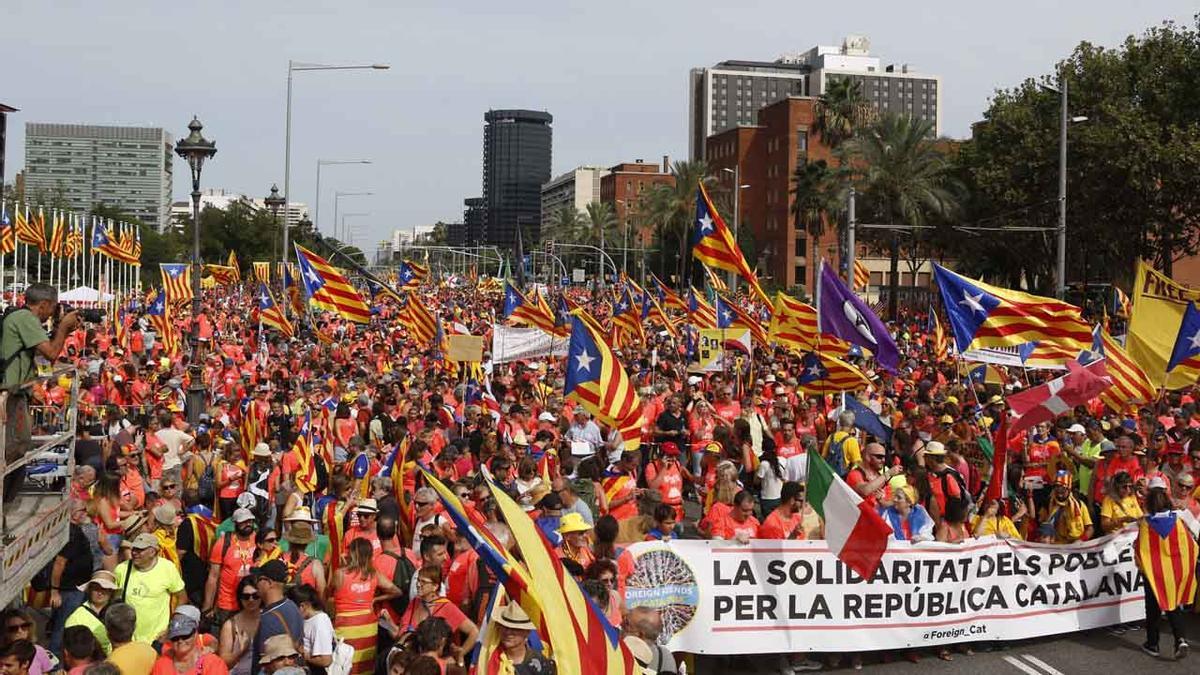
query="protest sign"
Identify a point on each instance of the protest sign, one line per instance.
(718, 597)
(465, 348)
(512, 344)
(713, 344)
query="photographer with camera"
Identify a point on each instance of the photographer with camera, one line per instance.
(22, 336)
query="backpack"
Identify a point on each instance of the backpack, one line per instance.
(837, 458)
(963, 500)
(206, 486)
(402, 579)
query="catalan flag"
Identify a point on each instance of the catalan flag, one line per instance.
(991, 316)
(270, 314)
(822, 374)
(128, 247)
(626, 320)
(713, 244)
(328, 289)
(8, 239)
(596, 379)
(1122, 305)
(102, 239)
(31, 229)
(937, 335)
(222, 274)
(290, 289)
(700, 313)
(262, 272)
(74, 243)
(520, 309)
(560, 328)
(793, 324)
(1130, 385)
(441, 344)
(982, 373)
(714, 280)
(862, 276)
(58, 235)
(411, 275)
(250, 428)
(302, 449)
(421, 325)
(579, 635)
(160, 318)
(668, 298)
(1165, 551)
(233, 262)
(177, 281)
(729, 315)
(653, 311)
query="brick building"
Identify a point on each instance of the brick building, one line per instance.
(766, 155)
(621, 188)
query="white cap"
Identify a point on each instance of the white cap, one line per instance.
(547, 417)
(694, 379)
(1157, 482)
(1076, 429)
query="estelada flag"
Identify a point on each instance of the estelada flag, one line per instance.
(329, 289)
(713, 244)
(598, 381)
(270, 314)
(177, 281)
(1166, 551)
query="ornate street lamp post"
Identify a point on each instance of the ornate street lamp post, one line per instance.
(195, 149)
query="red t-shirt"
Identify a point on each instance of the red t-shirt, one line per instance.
(728, 528)
(775, 526)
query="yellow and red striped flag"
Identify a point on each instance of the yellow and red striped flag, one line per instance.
(823, 374)
(990, 316)
(598, 381)
(8, 238)
(269, 313)
(520, 309)
(233, 262)
(160, 318)
(626, 321)
(58, 234)
(862, 276)
(793, 324)
(729, 315)
(302, 448)
(31, 229)
(713, 244)
(1130, 385)
(177, 281)
(222, 274)
(1166, 553)
(415, 316)
(74, 244)
(411, 274)
(262, 272)
(560, 329)
(328, 289)
(715, 281)
(700, 313)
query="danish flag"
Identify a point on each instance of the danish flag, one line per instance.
(1046, 402)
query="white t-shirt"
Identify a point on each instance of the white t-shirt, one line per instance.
(318, 635)
(174, 440)
(771, 484)
(795, 467)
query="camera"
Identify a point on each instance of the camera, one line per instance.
(86, 315)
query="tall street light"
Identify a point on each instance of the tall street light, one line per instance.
(337, 197)
(1065, 119)
(346, 228)
(328, 162)
(294, 66)
(273, 202)
(737, 213)
(195, 149)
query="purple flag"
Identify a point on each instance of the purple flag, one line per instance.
(842, 313)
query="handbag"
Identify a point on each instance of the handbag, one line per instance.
(343, 658)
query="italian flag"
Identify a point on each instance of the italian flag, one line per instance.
(856, 533)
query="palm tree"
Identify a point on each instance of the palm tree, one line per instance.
(816, 188)
(672, 208)
(599, 227)
(842, 111)
(566, 224)
(903, 176)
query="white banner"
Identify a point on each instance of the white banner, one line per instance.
(1009, 357)
(717, 597)
(512, 344)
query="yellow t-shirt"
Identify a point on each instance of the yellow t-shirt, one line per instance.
(1124, 507)
(134, 658)
(1000, 526)
(850, 450)
(150, 595)
(84, 616)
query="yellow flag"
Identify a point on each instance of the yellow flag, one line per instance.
(1158, 306)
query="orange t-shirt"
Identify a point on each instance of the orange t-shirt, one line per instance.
(235, 557)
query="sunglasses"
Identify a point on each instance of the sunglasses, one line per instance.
(271, 540)
(424, 503)
(14, 627)
(249, 596)
(189, 636)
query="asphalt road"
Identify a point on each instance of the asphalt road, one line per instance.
(1096, 652)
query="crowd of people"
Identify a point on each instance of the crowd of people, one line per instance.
(194, 549)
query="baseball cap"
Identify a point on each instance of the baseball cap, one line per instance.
(1076, 428)
(181, 626)
(275, 570)
(547, 417)
(242, 515)
(165, 514)
(145, 540)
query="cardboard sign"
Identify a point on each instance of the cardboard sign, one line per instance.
(465, 348)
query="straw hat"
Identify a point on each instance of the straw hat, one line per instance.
(300, 532)
(572, 522)
(102, 578)
(301, 514)
(512, 616)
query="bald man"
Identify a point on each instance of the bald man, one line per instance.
(870, 478)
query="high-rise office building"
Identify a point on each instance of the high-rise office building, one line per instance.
(474, 222)
(516, 163)
(574, 189)
(129, 168)
(731, 93)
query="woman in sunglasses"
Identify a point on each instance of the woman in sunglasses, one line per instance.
(237, 634)
(19, 625)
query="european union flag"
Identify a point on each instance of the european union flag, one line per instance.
(1187, 342)
(868, 421)
(844, 314)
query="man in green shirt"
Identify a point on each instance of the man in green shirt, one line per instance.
(149, 584)
(22, 337)
(1085, 450)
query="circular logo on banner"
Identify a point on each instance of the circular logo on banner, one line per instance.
(664, 581)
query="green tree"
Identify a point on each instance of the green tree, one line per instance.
(564, 225)
(903, 177)
(599, 228)
(816, 190)
(842, 111)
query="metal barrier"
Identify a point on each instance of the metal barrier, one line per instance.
(37, 520)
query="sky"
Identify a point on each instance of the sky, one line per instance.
(614, 75)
